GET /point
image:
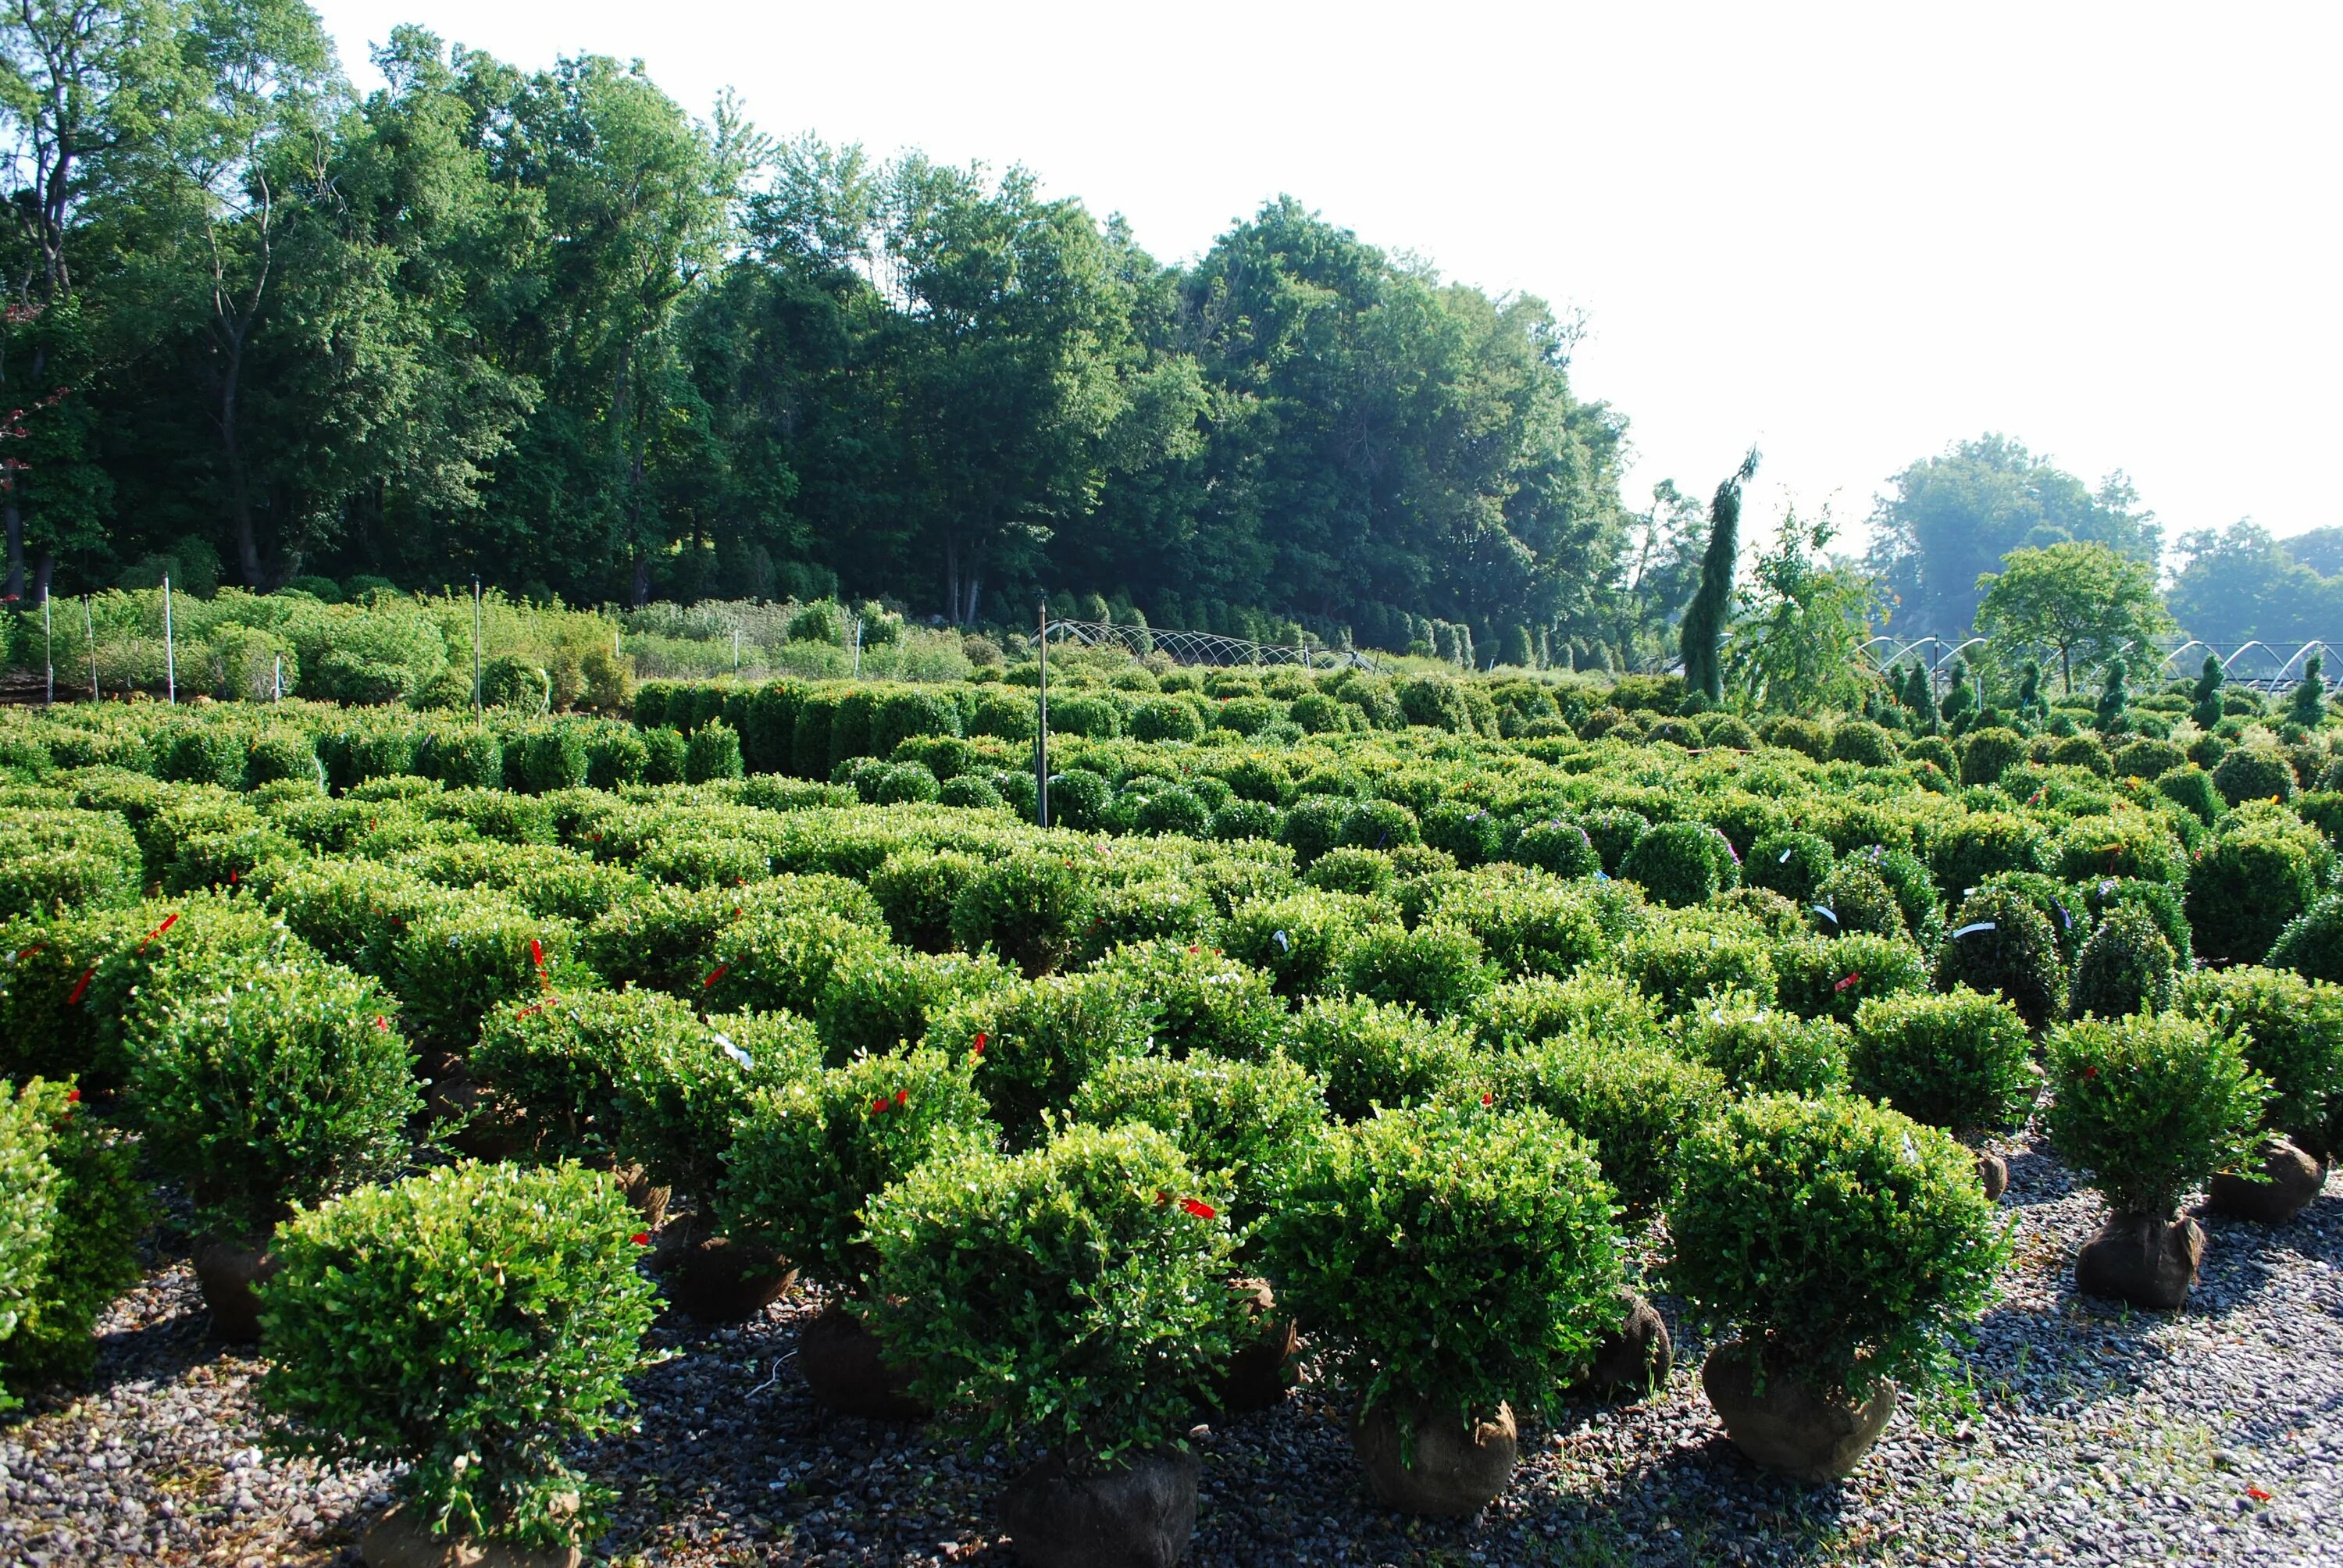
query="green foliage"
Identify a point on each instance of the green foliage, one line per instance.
(1682, 863)
(1683, 967)
(1037, 1041)
(783, 964)
(1204, 1001)
(74, 1213)
(1564, 848)
(1462, 1258)
(1242, 1126)
(1371, 1055)
(1962, 1061)
(2076, 600)
(1031, 909)
(2126, 966)
(1301, 941)
(1792, 864)
(879, 999)
(454, 965)
(2253, 773)
(1832, 978)
(1760, 1051)
(811, 1153)
(1702, 632)
(2291, 1029)
(2152, 1106)
(1847, 1240)
(1436, 967)
(2245, 886)
(2311, 944)
(2000, 944)
(473, 1323)
(1073, 1296)
(1633, 1101)
(280, 1084)
(1977, 845)
(52, 863)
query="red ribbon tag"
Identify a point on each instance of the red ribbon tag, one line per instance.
(81, 985)
(1852, 978)
(1202, 1211)
(168, 921)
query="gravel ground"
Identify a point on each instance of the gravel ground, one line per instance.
(2080, 1433)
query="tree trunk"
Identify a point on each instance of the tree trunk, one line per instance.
(641, 589)
(16, 516)
(43, 576)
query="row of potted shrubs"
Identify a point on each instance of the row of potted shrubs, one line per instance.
(1428, 1032)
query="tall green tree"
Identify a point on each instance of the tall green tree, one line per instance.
(1800, 623)
(2075, 601)
(1702, 630)
(1951, 517)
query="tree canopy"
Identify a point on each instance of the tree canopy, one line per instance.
(2077, 602)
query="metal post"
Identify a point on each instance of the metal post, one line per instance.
(735, 650)
(49, 652)
(89, 639)
(170, 654)
(1041, 730)
(476, 647)
(858, 648)
(280, 679)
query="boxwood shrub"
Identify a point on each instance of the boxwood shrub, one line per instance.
(274, 1084)
(2291, 1030)
(473, 1325)
(1682, 863)
(1030, 907)
(2001, 944)
(783, 963)
(1596, 1003)
(1072, 1297)
(2152, 1107)
(1758, 1049)
(1683, 967)
(1792, 864)
(1437, 967)
(1528, 926)
(1240, 1125)
(454, 964)
(74, 1213)
(1843, 1242)
(2247, 882)
(2124, 966)
(2253, 773)
(879, 1000)
(1371, 1055)
(1457, 1259)
(1633, 1101)
(1037, 1040)
(1970, 847)
(1960, 1061)
(809, 1154)
(1204, 1001)
(1301, 941)
(1832, 977)
(1150, 909)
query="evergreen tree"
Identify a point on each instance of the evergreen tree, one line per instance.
(1704, 619)
(2112, 699)
(2205, 695)
(2308, 705)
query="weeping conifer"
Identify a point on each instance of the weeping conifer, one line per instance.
(1704, 619)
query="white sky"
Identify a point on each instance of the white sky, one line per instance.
(1852, 234)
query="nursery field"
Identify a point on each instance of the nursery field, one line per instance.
(1381, 1120)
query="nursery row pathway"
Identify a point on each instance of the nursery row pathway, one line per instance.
(2076, 1432)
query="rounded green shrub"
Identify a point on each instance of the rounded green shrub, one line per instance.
(1451, 1259)
(2245, 885)
(1241, 1126)
(1037, 1040)
(74, 1212)
(1854, 898)
(1614, 832)
(1865, 744)
(2311, 944)
(1960, 1061)
(1988, 753)
(1596, 1003)
(1833, 977)
(1166, 719)
(1976, 845)
(783, 964)
(1436, 967)
(811, 1153)
(1379, 825)
(2291, 1029)
(1150, 909)
(2253, 773)
(1472, 833)
(473, 1324)
(2133, 844)
(1631, 1101)
(970, 793)
(2000, 944)
(2160, 903)
(1792, 864)
(1367, 872)
(454, 964)
(1563, 848)
(2126, 966)
(880, 999)
(1843, 1242)
(2152, 1106)
(1301, 941)
(2191, 788)
(52, 863)
(1204, 1001)
(1681, 968)
(1371, 1055)
(1682, 863)
(1030, 907)
(1174, 810)
(274, 1084)
(1073, 1296)
(1765, 1051)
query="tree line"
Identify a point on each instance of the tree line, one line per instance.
(548, 328)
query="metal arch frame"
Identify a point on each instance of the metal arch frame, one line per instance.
(2315, 642)
(1203, 647)
(2241, 652)
(2184, 647)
